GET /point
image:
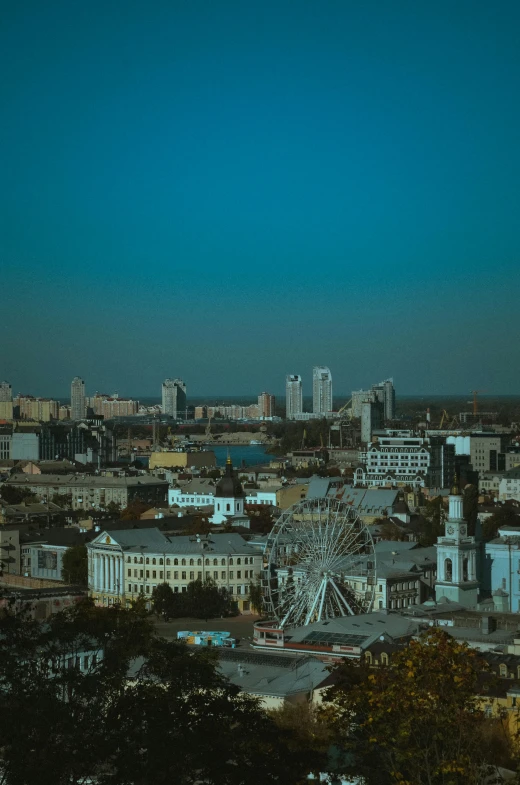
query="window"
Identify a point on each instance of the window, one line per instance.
(161, 575)
(239, 573)
(147, 560)
(129, 587)
(215, 575)
(141, 574)
(129, 573)
(199, 576)
(168, 575)
(239, 589)
(175, 561)
(239, 560)
(199, 562)
(135, 559)
(215, 562)
(192, 575)
(135, 573)
(368, 657)
(503, 670)
(231, 575)
(223, 562)
(504, 583)
(154, 561)
(207, 562)
(192, 562)
(448, 567)
(154, 573)
(223, 574)
(384, 658)
(160, 561)
(176, 575)
(148, 590)
(228, 508)
(231, 561)
(167, 561)
(183, 575)
(380, 603)
(183, 562)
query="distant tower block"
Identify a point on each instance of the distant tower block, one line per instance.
(77, 399)
(293, 396)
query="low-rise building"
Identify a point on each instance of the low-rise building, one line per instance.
(92, 492)
(394, 460)
(126, 564)
(509, 485)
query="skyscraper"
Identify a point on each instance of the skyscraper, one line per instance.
(266, 403)
(77, 399)
(174, 398)
(293, 396)
(321, 390)
(385, 393)
(6, 392)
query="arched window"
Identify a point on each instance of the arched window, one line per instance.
(183, 562)
(218, 506)
(141, 560)
(465, 570)
(368, 657)
(160, 561)
(503, 670)
(175, 561)
(448, 569)
(192, 562)
(199, 562)
(147, 560)
(239, 560)
(207, 562)
(154, 561)
(215, 562)
(223, 562)
(384, 658)
(168, 561)
(228, 508)
(135, 559)
(231, 560)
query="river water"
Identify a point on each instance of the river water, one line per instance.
(248, 455)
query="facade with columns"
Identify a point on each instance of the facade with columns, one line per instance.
(126, 564)
(457, 578)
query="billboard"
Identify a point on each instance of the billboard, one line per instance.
(47, 560)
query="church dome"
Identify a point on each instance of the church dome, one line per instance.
(229, 487)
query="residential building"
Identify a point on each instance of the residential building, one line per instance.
(174, 398)
(266, 405)
(509, 486)
(487, 452)
(64, 412)
(126, 564)
(92, 492)
(37, 409)
(9, 550)
(293, 396)
(6, 439)
(385, 393)
(394, 460)
(6, 392)
(372, 418)
(118, 407)
(321, 390)
(78, 408)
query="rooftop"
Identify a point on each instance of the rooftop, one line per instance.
(78, 480)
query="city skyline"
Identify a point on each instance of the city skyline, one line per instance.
(233, 192)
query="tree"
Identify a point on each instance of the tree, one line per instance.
(74, 566)
(134, 510)
(176, 719)
(416, 721)
(12, 495)
(206, 600)
(256, 597)
(163, 600)
(434, 521)
(470, 507)
(504, 516)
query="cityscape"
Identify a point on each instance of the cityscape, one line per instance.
(260, 393)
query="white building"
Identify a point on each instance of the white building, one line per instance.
(174, 398)
(383, 392)
(509, 486)
(321, 390)
(127, 564)
(77, 399)
(293, 396)
(6, 392)
(394, 460)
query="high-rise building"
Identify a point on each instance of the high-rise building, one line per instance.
(266, 404)
(293, 395)
(174, 398)
(77, 399)
(6, 391)
(321, 390)
(372, 418)
(385, 393)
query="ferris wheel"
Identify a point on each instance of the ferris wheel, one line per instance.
(319, 563)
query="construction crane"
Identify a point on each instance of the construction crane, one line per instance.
(445, 416)
(475, 400)
(346, 411)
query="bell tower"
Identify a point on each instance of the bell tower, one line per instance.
(457, 557)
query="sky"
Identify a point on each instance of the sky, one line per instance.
(228, 192)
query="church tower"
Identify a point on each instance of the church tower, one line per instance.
(457, 557)
(229, 497)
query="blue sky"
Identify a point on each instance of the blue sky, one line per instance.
(229, 192)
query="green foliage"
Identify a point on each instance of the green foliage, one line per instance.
(470, 507)
(12, 495)
(418, 721)
(434, 521)
(166, 717)
(201, 600)
(504, 516)
(256, 597)
(74, 567)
